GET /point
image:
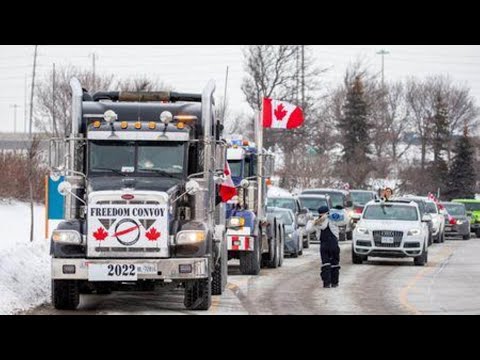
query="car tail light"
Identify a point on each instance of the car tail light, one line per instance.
(358, 210)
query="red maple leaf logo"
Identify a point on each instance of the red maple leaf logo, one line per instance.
(152, 234)
(280, 112)
(100, 234)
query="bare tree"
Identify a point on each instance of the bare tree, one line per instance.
(142, 83)
(59, 104)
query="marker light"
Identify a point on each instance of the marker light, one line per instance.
(180, 125)
(166, 117)
(110, 116)
(185, 118)
(124, 125)
(97, 124)
(138, 125)
(152, 125)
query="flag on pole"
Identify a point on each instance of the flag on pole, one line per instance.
(281, 115)
(227, 189)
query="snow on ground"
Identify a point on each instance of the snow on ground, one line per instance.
(24, 266)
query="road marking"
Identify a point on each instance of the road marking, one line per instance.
(438, 260)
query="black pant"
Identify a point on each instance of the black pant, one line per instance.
(330, 254)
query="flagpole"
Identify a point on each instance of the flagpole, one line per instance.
(259, 141)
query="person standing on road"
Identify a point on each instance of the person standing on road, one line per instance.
(328, 232)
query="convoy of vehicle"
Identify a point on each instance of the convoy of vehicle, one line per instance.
(134, 202)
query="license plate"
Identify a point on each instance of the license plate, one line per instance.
(388, 240)
(113, 272)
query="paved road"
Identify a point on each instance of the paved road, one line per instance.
(450, 284)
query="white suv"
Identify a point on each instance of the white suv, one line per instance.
(392, 229)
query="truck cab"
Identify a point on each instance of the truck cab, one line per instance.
(141, 206)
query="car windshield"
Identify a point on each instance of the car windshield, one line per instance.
(336, 198)
(282, 203)
(472, 206)
(431, 208)
(130, 157)
(390, 212)
(456, 210)
(361, 198)
(235, 168)
(312, 204)
(285, 216)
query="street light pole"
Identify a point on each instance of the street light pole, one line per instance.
(383, 52)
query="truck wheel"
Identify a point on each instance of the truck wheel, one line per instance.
(250, 260)
(357, 259)
(219, 276)
(275, 247)
(477, 233)
(281, 247)
(65, 294)
(422, 259)
(198, 295)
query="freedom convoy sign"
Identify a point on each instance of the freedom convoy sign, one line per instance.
(128, 228)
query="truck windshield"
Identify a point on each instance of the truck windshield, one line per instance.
(283, 203)
(472, 206)
(130, 157)
(235, 168)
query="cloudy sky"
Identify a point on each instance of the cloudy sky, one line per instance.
(188, 68)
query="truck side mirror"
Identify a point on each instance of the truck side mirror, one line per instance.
(244, 184)
(192, 187)
(64, 188)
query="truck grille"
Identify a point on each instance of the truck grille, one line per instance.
(397, 238)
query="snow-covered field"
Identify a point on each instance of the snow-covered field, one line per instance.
(24, 266)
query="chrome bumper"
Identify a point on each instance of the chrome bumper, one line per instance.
(167, 269)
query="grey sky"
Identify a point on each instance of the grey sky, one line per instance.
(188, 68)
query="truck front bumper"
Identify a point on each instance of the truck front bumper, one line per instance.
(166, 269)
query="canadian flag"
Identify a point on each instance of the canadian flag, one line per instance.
(281, 115)
(227, 189)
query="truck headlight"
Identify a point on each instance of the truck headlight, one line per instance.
(190, 237)
(414, 232)
(363, 230)
(67, 237)
(236, 222)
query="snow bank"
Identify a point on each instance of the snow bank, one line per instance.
(24, 266)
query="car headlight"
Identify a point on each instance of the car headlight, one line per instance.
(460, 222)
(290, 236)
(236, 222)
(67, 237)
(414, 232)
(363, 230)
(190, 237)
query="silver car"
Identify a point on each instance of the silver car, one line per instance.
(458, 225)
(293, 241)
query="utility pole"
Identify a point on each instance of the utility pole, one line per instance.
(15, 107)
(383, 52)
(33, 88)
(54, 123)
(303, 76)
(25, 106)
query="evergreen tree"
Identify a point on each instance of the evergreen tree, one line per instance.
(438, 171)
(354, 128)
(462, 176)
